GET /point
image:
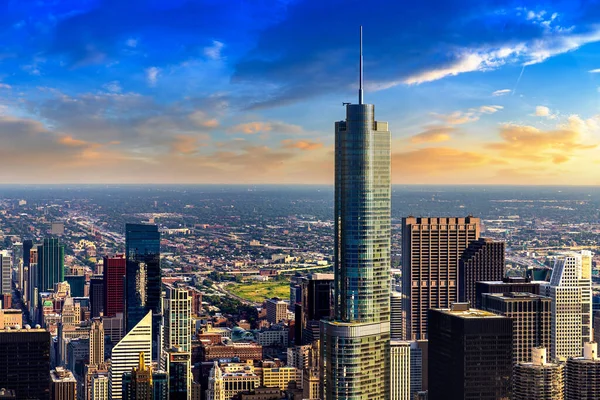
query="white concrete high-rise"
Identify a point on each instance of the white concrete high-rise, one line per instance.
(400, 363)
(177, 331)
(177, 312)
(126, 354)
(571, 293)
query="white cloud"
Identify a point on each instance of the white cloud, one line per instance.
(214, 52)
(469, 61)
(594, 71)
(5, 86)
(542, 111)
(152, 75)
(490, 109)
(131, 42)
(501, 92)
(555, 40)
(113, 87)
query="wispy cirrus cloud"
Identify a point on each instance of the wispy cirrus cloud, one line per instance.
(501, 92)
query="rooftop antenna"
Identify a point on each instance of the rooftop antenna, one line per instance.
(360, 67)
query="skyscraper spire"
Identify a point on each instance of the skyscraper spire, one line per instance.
(360, 76)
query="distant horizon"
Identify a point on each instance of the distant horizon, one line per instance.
(250, 185)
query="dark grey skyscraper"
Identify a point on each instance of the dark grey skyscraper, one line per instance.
(96, 295)
(356, 344)
(142, 280)
(483, 260)
(25, 362)
(142, 247)
(470, 354)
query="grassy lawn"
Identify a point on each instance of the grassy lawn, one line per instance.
(258, 291)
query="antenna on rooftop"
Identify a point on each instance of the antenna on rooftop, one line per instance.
(360, 66)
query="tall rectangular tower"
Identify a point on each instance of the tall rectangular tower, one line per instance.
(470, 354)
(50, 265)
(114, 285)
(431, 250)
(142, 290)
(571, 294)
(530, 314)
(5, 272)
(483, 260)
(356, 344)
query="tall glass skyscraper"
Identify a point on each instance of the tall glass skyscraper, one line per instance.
(356, 344)
(142, 278)
(142, 249)
(51, 264)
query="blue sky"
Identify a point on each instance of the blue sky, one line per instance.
(235, 91)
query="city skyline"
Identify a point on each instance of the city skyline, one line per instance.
(202, 92)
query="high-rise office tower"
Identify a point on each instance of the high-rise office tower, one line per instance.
(96, 296)
(506, 285)
(596, 326)
(418, 367)
(143, 285)
(276, 310)
(431, 251)
(177, 312)
(470, 354)
(5, 272)
(571, 293)
(96, 342)
(63, 385)
(143, 282)
(179, 373)
(27, 246)
(114, 285)
(538, 379)
(531, 315)
(25, 362)
(50, 265)
(396, 315)
(355, 346)
(126, 354)
(315, 304)
(137, 384)
(482, 260)
(582, 375)
(99, 386)
(216, 386)
(400, 370)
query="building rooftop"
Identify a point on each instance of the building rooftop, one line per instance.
(516, 295)
(462, 310)
(61, 374)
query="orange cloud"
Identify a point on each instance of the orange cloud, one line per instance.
(301, 144)
(186, 144)
(532, 144)
(200, 119)
(72, 142)
(434, 160)
(434, 134)
(251, 128)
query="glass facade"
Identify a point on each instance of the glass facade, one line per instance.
(51, 264)
(143, 285)
(356, 344)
